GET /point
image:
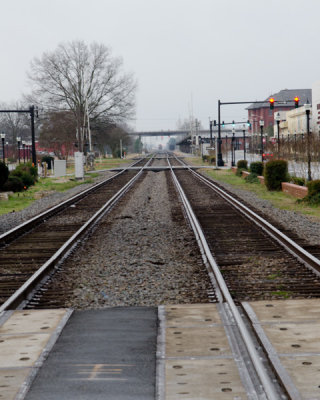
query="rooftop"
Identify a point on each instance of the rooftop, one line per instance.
(284, 96)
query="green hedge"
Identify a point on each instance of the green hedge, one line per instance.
(313, 187)
(252, 178)
(298, 181)
(13, 184)
(242, 164)
(256, 168)
(275, 172)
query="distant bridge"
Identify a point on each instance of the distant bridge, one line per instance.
(160, 133)
(201, 133)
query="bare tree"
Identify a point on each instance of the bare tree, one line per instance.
(86, 80)
(57, 133)
(14, 124)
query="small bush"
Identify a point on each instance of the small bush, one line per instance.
(275, 172)
(252, 178)
(13, 184)
(242, 164)
(313, 187)
(24, 170)
(205, 158)
(4, 173)
(297, 180)
(239, 171)
(256, 168)
(27, 179)
(212, 160)
(49, 160)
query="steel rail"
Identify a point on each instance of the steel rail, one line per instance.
(256, 360)
(311, 262)
(21, 294)
(27, 225)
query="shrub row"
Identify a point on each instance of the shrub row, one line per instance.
(22, 177)
(209, 159)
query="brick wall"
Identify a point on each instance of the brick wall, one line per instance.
(294, 190)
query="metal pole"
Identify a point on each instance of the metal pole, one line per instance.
(211, 134)
(244, 144)
(33, 142)
(261, 131)
(120, 148)
(3, 156)
(24, 152)
(233, 154)
(308, 146)
(278, 135)
(19, 151)
(220, 160)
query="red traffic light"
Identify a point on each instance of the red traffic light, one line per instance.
(271, 101)
(296, 102)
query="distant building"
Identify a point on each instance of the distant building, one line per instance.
(293, 123)
(257, 112)
(316, 107)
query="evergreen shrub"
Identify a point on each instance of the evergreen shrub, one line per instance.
(239, 171)
(313, 187)
(252, 178)
(256, 168)
(4, 173)
(242, 164)
(298, 181)
(275, 172)
(13, 184)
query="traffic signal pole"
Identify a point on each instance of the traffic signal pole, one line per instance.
(220, 162)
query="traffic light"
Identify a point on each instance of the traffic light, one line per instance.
(233, 123)
(271, 102)
(214, 122)
(222, 124)
(296, 102)
(249, 124)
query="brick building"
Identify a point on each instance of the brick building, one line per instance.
(257, 112)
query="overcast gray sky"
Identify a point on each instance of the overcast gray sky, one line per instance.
(179, 50)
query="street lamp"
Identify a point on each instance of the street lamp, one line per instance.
(3, 136)
(233, 153)
(308, 109)
(19, 140)
(244, 141)
(278, 118)
(261, 133)
(24, 151)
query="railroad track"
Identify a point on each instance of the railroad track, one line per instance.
(250, 259)
(247, 259)
(30, 251)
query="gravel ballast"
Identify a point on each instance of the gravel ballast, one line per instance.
(13, 219)
(301, 225)
(142, 254)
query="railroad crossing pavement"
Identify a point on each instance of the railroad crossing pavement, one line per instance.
(128, 353)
